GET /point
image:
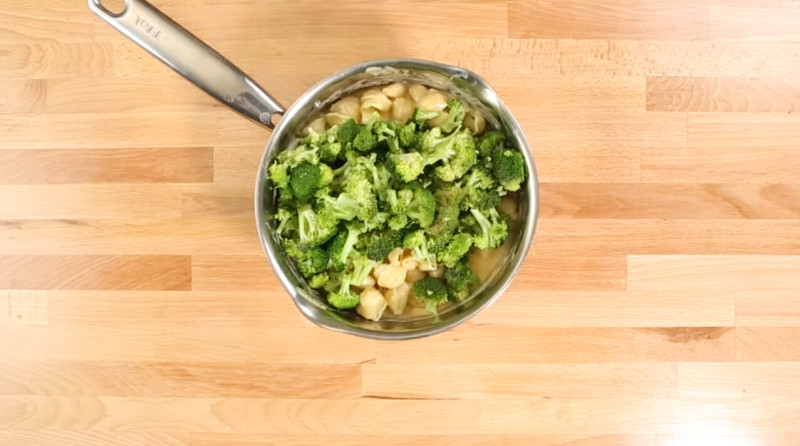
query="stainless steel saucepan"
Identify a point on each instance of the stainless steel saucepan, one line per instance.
(204, 67)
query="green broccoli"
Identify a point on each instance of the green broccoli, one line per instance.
(304, 179)
(489, 141)
(315, 228)
(492, 229)
(456, 249)
(343, 298)
(346, 132)
(417, 242)
(430, 291)
(319, 280)
(365, 141)
(407, 136)
(421, 116)
(481, 199)
(478, 178)
(464, 157)
(287, 221)
(455, 116)
(508, 167)
(382, 243)
(460, 279)
(386, 131)
(422, 207)
(399, 202)
(343, 207)
(407, 167)
(279, 175)
(342, 247)
(448, 209)
(310, 261)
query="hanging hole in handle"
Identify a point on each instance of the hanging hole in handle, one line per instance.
(271, 120)
(114, 8)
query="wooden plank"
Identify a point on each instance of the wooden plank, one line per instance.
(523, 307)
(218, 201)
(224, 341)
(235, 273)
(722, 94)
(730, 148)
(701, 201)
(713, 273)
(476, 343)
(130, 130)
(174, 236)
(72, 438)
(517, 381)
(598, 237)
(23, 307)
(48, 23)
(176, 309)
(89, 201)
(54, 60)
(767, 308)
(180, 379)
(774, 21)
(144, 272)
(23, 96)
(709, 380)
(217, 439)
(237, 165)
(616, 19)
(573, 273)
(757, 438)
(767, 344)
(53, 166)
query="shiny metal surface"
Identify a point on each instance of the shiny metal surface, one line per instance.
(201, 65)
(469, 87)
(191, 58)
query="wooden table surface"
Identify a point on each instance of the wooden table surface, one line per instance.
(660, 304)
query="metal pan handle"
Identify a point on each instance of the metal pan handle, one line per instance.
(191, 58)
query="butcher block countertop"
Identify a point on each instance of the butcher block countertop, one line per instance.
(659, 304)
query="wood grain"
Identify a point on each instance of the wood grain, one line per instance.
(658, 305)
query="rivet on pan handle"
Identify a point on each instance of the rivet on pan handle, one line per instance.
(191, 58)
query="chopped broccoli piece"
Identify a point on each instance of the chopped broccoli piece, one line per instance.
(318, 281)
(421, 116)
(464, 157)
(346, 132)
(422, 207)
(315, 229)
(430, 291)
(493, 229)
(489, 141)
(279, 175)
(481, 199)
(287, 221)
(456, 249)
(304, 179)
(448, 202)
(407, 166)
(344, 298)
(342, 247)
(460, 279)
(407, 136)
(508, 167)
(381, 244)
(417, 242)
(455, 115)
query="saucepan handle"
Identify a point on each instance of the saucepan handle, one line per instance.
(191, 58)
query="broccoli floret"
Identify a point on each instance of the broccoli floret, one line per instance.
(342, 247)
(365, 141)
(279, 175)
(481, 199)
(508, 167)
(399, 202)
(478, 178)
(386, 131)
(417, 242)
(493, 229)
(464, 157)
(302, 152)
(435, 147)
(381, 244)
(460, 279)
(456, 249)
(319, 280)
(407, 166)
(455, 115)
(489, 141)
(362, 266)
(304, 179)
(315, 228)
(343, 298)
(448, 202)
(325, 175)
(422, 207)
(287, 221)
(421, 116)
(430, 291)
(346, 132)
(407, 136)
(310, 261)
(343, 207)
